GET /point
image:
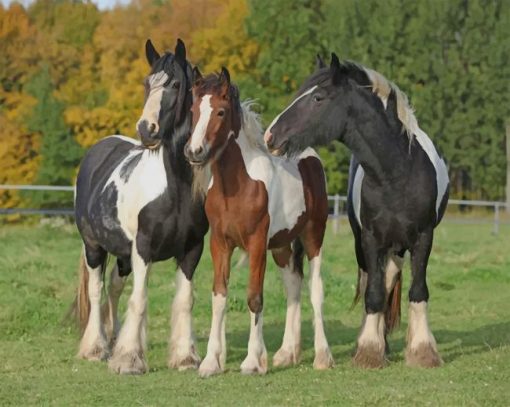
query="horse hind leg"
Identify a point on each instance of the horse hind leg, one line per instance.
(291, 266)
(393, 284)
(93, 344)
(182, 348)
(323, 358)
(118, 277)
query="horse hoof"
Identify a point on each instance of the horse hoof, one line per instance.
(98, 351)
(323, 360)
(190, 361)
(252, 365)
(369, 356)
(424, 355)
(286, 357)
(209, 367)
(129, 363)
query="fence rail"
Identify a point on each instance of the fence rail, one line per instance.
(335, 215)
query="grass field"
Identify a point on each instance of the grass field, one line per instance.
(469, 282)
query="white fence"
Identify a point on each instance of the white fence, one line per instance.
(335, 215)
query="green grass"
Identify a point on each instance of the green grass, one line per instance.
(469, 282)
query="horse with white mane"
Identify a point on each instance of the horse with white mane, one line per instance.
(398, 192)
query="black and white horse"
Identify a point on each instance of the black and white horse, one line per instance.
(398, 191)
(135, 201)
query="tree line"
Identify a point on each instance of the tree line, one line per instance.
(71, 74)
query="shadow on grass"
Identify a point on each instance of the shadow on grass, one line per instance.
(478, 340)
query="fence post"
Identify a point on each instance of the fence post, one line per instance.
(495, 230)
(336, 214)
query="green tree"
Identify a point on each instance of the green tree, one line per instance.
(59, 151)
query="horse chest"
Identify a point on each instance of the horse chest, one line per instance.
(147, 181)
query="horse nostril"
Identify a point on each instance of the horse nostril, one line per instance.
(152, 127)
(199, 150)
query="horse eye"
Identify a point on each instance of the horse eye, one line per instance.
(317, 98)
(175, 85)
(221, 112)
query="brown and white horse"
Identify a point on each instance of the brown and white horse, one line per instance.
(257, 202)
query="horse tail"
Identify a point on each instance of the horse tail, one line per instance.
(298, 253)
(393, 312)
(79, 309)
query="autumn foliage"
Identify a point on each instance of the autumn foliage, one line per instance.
(71, 74)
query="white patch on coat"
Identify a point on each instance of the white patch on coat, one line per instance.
(198, 136)
(146, 183)
(152, 106)
(268, 131)
(356, 193)
(280, 176)
(125, 138)
(442, 179)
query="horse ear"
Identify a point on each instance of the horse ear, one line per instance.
(225, 75)
(338, 72)
(180, 51)
(197, 75)
(319, 62)
(151, 53)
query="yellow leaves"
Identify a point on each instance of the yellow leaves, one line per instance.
(90, 126)
(227, 43)
(18, 159)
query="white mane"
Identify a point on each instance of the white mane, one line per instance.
(382, 87)
(251, 125)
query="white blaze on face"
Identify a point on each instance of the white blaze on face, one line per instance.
(198, 136)
(268, 131)
(152, 105)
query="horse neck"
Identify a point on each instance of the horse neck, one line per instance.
(227, 169)
(379, 147)
(176, 165)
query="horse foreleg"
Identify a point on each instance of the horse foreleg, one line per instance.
(371, 342)
(256, 360)
(421, 345)
(129, 351)
(182, 348)
(214, 361)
